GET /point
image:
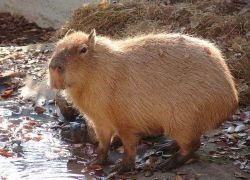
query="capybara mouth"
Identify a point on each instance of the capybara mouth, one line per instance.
(56, 84)
(56, 80)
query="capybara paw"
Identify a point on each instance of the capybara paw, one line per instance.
(173, 162)
(99, 161)
(166, 165)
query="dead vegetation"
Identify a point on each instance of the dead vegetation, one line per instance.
(225, 22)
(16, 30)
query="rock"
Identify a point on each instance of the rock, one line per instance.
(230, 129)
(242, 134)
(74, 132)
(245, 116)
(240, 128)
(39, 109)
(68, 112)
(78, 132)
(51, 101)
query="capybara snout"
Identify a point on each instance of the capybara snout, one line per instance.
(54, 66)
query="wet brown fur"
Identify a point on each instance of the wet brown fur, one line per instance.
(158, 83)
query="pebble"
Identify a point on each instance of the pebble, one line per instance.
(230, 129)
(240, 128)
(229, 136)
(31, 61)
(242, 134)
(51, 101)
(39, 109)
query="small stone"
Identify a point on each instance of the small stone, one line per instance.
(229, 136)
(18, 49)
(235, 135)
(230, 129)
(51, 101)
(37, 69)
(247, 167)
(240, 128)
(39, 110)
(245, 115)
(234, 148)
(235, 117)
(242, 134)
(31, 61)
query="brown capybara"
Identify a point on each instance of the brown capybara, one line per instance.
(169, 84)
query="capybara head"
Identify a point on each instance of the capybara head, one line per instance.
(72, 54)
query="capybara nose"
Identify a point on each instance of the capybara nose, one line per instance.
(54, 66)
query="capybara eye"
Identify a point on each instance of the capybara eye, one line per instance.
(60, 68)
(83, 50)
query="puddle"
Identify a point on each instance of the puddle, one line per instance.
(36, 150)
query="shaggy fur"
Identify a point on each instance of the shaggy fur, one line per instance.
(148, 85)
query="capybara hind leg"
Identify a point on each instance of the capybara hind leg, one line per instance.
(104, 138)
(183, 155)
(170, 147)
(129, 141)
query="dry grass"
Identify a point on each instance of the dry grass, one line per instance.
(115, 19)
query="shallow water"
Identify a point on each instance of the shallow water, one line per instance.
(37, 150)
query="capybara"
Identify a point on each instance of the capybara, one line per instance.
(170, 84)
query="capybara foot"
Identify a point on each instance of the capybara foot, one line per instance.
(99, 160)
(173, 162)
(170, 147)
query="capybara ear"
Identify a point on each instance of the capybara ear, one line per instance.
(69, 32)
(92, 39)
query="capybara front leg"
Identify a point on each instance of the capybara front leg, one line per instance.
(129, 141)
(104, 138)
(185, 153)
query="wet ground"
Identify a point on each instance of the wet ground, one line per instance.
(35, 142)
